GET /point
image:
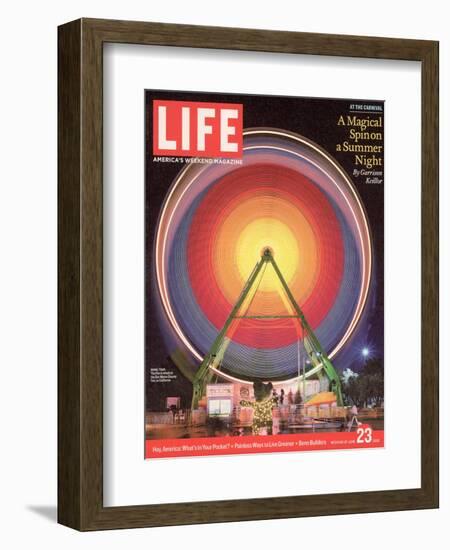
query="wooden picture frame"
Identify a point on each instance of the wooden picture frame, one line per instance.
(80, 271)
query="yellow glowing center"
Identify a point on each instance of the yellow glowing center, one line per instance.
(267, 233)
(254, 225)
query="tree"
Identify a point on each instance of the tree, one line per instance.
(366, 388)
(347, 374)
(373, 372)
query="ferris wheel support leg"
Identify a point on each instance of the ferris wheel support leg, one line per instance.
(328, 367)
(202, 374)
(199, 383)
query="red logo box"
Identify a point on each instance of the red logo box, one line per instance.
(197, 129)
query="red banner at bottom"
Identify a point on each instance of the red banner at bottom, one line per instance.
(362, 438)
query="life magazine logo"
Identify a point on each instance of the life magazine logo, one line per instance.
(197, 129)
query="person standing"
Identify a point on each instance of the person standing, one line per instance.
(275, 396)
(290, 397)
(354, 418)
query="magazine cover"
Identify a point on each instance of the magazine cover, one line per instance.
(264, 314)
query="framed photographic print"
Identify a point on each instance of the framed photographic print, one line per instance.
(248, 274)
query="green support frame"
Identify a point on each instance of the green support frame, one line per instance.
(317, 356)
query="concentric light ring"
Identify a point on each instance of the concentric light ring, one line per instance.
(194, 183)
